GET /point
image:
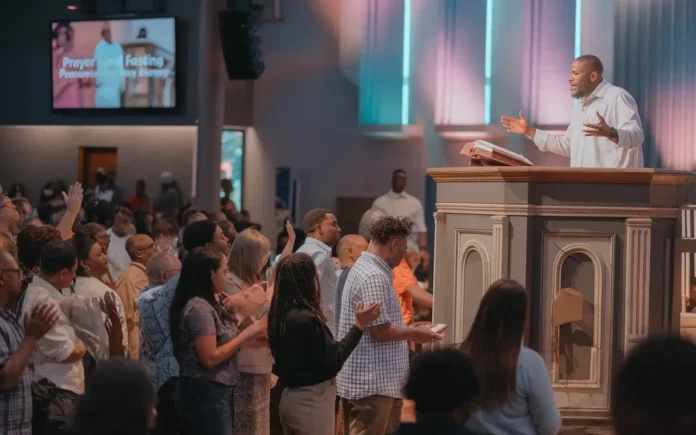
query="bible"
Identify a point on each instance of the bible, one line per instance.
(484, 153)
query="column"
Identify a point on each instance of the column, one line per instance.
(212, 79)
(499, 260)
(637, 282)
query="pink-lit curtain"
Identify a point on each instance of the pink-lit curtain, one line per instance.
(655, 60)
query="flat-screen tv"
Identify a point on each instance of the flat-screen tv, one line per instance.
(114, 64)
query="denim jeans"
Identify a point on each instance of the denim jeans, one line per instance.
(204, 407)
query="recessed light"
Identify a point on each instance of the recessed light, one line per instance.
(72, 7)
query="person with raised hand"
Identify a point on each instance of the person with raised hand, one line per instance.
(307, 356)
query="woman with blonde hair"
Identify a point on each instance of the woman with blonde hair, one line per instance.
(249, 298)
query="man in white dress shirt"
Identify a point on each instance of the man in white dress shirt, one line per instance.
(398, 203)
(605, 130)
(59, 377)
(110, 80)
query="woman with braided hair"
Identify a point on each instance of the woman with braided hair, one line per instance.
(306, 355)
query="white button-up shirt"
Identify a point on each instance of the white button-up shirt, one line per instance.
(620, 111)
(403, 205)
(321, 254)
(57, 344)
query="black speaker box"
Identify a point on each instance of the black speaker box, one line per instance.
(241, 45)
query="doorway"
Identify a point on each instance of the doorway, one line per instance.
(93, 158)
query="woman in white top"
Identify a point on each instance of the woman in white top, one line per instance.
(93, 263)
(516, 397)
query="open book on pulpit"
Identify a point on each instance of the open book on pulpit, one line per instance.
(484, 153)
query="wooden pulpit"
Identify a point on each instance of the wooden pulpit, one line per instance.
(608, 234)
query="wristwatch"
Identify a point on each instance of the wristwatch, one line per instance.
(613, 134)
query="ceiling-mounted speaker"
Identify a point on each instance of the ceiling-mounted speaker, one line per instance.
(241, 45)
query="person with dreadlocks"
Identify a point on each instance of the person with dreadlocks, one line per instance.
(306, 355)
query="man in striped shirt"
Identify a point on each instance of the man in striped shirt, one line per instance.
(17, 341)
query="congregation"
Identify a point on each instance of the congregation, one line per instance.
(151, 317)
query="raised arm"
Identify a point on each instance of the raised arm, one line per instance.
(291, 240)
(73, 202)
(544, 141)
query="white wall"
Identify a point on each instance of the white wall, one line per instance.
(32, 155)
(306, 117)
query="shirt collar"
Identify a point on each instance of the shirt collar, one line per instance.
(37, 281)
(599, 92)
(323, 246)
(139, 266)
(379, 262)
(393, 194)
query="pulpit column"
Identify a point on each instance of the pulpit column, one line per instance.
(637, 282)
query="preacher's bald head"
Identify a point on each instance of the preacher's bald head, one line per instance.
(593, 62)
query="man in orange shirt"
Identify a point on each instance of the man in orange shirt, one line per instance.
(407, 288)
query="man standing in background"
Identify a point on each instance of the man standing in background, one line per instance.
(110, 80)
(398, 203)
(323, 234)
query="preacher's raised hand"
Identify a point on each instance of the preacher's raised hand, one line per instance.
(515, 125)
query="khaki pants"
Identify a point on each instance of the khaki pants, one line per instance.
(309, 410)
(373, 415)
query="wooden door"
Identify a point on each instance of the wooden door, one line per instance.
(93, 158)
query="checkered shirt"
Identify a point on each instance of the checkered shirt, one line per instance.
(15, 403)
(375, 368)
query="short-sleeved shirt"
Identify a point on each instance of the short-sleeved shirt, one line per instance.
(15, 403)
(156, 352)
(403, 205)
(375, 368)
(200, 318)
(403, 280)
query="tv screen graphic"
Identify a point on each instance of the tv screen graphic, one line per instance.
(114, 64)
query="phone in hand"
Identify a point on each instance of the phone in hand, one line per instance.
(439, 328)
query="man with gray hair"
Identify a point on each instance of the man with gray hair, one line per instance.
(368, 218)
(162, 267)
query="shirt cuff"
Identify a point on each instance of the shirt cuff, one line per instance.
(540, 138)
(619, 133)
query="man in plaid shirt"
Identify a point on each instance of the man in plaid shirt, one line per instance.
(372, 378)
(17, 342)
